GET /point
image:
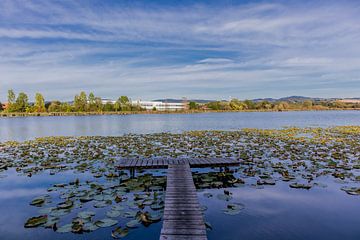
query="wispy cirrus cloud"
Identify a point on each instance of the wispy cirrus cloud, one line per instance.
(194, 50)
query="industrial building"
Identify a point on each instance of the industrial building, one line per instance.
(160, 106)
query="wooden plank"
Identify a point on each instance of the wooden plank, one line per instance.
(184, 224)
(143, 162)
(135, 163)
(182, 231)
(164, 162)
(182, 237)
(148, 163)
(183, 218)
(131, 164)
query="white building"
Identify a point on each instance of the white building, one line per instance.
(160, 106)
(107, 100)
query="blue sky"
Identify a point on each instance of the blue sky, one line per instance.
(174, 49)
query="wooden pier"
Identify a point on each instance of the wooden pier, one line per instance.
(156, 163)
(183, 218)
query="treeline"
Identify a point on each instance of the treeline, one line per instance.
(91, 103)
(237, 105)
(82, 103)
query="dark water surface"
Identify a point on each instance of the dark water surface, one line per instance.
(16, 192)
(24, 128)
(272, 212)
(282, 213)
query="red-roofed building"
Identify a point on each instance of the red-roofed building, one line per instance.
(5, 106)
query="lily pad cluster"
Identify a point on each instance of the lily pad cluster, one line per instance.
(98, 204)
(297, 155)
(301, 157)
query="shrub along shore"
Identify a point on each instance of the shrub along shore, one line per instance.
(50, 114)
(83, 105)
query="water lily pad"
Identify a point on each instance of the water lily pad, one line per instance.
(51, 222)
(301, 185)
(86, 214)
(106, 222)
(89, 227)
(38, 202)
(133, 224)
(233, 208)
(118, 207)
(157, 206)
(101, 204)
(155, 216)
(66, 205)
(46, 211)
(36, 221)
(65, 228)
(59, 212)
(129, 214)
(351, 190)
(119, 232)
(113, 213)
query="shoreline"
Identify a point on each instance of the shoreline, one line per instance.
(59, 114)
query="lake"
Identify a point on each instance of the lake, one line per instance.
(24, 128)
(268, 207)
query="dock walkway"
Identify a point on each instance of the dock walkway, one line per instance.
(128, 163)
(183, 218)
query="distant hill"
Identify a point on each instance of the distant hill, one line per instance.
(291, 99)
(285, 99)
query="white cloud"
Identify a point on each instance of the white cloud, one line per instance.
(60, 48)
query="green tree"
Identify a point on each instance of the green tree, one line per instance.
(308, 104)
(65, 107)
(282, 106)
(11, 96)
(91, 102)
(338, 104)
(98, 104)
(235, 104)
(218, 105)
(80, 102)
(193, 105)
(124, 100)
(11, 101)
(55, 106)
(125, 103)
(21, 102)
(264, 105)
(39, 103)
(250, 104)
(108, 107)
(117, 106)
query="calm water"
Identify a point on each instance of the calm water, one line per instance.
(274, 212)
(111, 125)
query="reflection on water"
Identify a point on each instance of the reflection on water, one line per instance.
(279, 212)
(15, 209)
(112, 125)
(271, 212)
